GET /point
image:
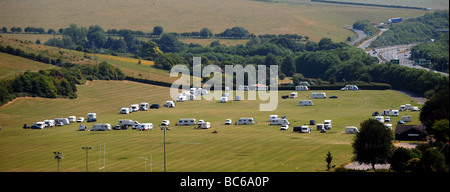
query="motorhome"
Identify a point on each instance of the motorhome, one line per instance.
(278, 121)
(406, 118)
(294, 95)
(206, 125)
(64, 121)
(124, 110)
(407, 106)
(144, 106)
(101, 127)
(305, 129)
(301, 88)
(380, 119)
(394, 113)
(134, 107)
(92, 117)
(245, 121)
(72, 119)
(351, 130)
(305, 103)
(186, 122)
(49, 123)
(145, 126)
(320, 95)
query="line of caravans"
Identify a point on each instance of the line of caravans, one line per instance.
(60, 121)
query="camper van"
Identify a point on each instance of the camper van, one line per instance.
(245, 121)
(92, 117)
(124, 110)
(380, 119)
(101, 127)
(64, 121)
(301, 88)
(351, 130)
(278, 121)
(406, 118)
(186, 122)
(320, 95)
(394, 113)
(144, 106)
(145, 126)
(224, 99)
(206, 125)
(72, 119)
(294, 95)
(305, 103)
(49, 123)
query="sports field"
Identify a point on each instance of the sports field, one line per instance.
(260, 147)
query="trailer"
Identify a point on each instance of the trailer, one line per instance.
(278, 121)
(186, 122)
(101, 127)
(72, 119)
(145, 126)
(245, 121)
(124, 110)
(305, 103)
(351, 130)
(205, 125)
(92, 117)
(49, 123)
(301, 88)
(319, 95)
(144, 106)
(64, 121)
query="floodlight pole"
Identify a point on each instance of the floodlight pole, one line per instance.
(86, 148)
(58, 156)
(164, 149)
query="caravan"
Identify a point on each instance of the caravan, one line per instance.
(350, 87)
(38, 125)
(294, 95)
(101, 127)
(351, 130)
(49, 123)
(124, 110)
(186, 122)
(305, 103)
(92, 117)
(224, 99)
(134, 107)
(301, 88)
(394, 112)
(380, 119)
(302, 129)
(169, 104)
(144, 106)
(245, 121)
(72, 119)
(205, 125)
(278, 121)
(145, 126)
(64, 121)
(320, 95)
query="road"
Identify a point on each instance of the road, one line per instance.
(361, 35)
(367, 43)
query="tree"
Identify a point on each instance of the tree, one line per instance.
(205, 33)
(288, 65)
(399, 159)
(436, 108)
(270, 59)
(441, 130)
(169, 43)
(150, 49)
(157, 30)
(372, 145)
(328, 159)
(433, 161)
(96, 36)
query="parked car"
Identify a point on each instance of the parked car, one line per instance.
(154, 106)
(80, 119)
(285, 96)
(333, 97)
(375, 113)
(228, 122)
(26, 126)
(117, 127)
(284, 127)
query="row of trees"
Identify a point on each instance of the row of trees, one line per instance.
(56, 82)
(437, 52)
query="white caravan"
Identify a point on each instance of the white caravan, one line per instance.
(186, 122)
(127, 122)
(165, 123)
(92, 117)
(134, 107)
(145, 126)
(72, 119)
(394, 113)
(294, 95)
(278, 121)
(181, 99)
(38, 125)
(273, 117)
(305, 103)
(224, 99)
(169, 104)
(385, 112)
(351, 130)
(301, 88)
(64, 121)
(406, 118)
(206, 125)
(350, 87)
(245, 121)
(380, 119)
(319, 95)
(101, 127)
(327, 124)
(49, 123)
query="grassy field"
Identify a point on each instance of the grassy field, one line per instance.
(258, 147)
(11, 65)
(303, 17)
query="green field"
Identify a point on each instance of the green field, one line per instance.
(316, 20)
(258, 147)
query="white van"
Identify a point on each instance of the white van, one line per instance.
(294, 95)
(320, 95)
(101, 127)
(351, 130)
(245, 121)
(186, 122)
(124, 110)
(145, 126)
(144, 106)
(305, 103)
(278, 121)
(406, 118)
